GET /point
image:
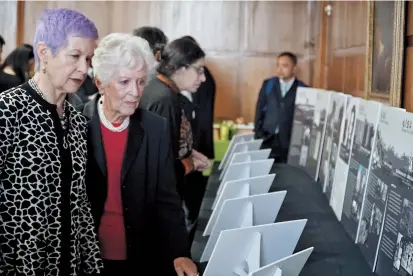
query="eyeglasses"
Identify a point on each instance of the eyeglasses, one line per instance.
(199, 70)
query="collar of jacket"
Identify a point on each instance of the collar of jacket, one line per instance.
(168, 82)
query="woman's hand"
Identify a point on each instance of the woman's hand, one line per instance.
(185, 267)
(201, 162)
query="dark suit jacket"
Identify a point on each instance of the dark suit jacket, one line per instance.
(151, 205)
(204, 101)
(274, 111)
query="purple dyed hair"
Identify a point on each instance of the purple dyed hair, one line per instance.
(56, 25)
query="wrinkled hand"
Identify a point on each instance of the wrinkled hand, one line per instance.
(185, 267)
(201, 162)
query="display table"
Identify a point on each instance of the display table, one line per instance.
(334, 252)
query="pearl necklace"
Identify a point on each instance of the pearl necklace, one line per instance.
(107, 123)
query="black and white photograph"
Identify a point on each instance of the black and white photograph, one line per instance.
(357, 199)
(395, 255)
(342, 163)
(318, 131)
(396, 246)
(390, 164)
(349, 130)
(301, 130)
(329, 148)
(366, 123)
(337, 127)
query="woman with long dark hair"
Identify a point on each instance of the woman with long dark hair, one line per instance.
(15, 69)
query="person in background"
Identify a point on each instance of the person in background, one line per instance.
(46, 222)
(181, 68)
(155, 37)
(31, 65)
(2, 43)
(88, 89)
(16, 67)
(202, 121)
(275, 107)
(135, 198)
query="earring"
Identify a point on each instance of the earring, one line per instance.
(44, 69)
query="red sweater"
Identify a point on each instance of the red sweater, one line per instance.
(112, 229)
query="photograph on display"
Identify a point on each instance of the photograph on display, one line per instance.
(388, 157)
(342, 165)
(336, 125)
(305, 102)
(395, 255)
(361, 155)
(333, 110)
(317, 134)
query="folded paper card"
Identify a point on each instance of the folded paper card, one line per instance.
(236, 139)
(245, 250)
(289, 266)
(244, 212)
(246, 156)
(239, 188)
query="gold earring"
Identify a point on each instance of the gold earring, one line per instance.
(44, 69)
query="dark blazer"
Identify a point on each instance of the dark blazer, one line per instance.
(204, 101)
(161, 99)
(152, 210)
(274, 111)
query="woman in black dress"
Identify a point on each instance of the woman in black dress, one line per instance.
(16, 67)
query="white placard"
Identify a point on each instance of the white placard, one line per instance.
(236, 139)
(239, 188)
(290, 266)
(233, 251)
(245, 170)
(242, 157)
(241, 147)
(244, 212)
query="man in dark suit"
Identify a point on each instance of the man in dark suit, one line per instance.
(275, 107)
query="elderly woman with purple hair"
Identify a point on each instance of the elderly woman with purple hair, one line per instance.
(46, 223)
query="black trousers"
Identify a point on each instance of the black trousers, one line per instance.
(193, 194)
(278, 152)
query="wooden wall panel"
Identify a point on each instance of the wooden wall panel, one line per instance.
(8, 25)
(409, 19)
(241, 38)
(408, 61)
(252, 72)
(268, 26)
(346, 47)
(408, 80)
(227, 101)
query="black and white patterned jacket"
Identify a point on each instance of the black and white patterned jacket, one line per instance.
(32, 182)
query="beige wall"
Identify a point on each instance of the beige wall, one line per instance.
(8, 25)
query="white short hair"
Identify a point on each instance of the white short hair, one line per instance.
(120, 50)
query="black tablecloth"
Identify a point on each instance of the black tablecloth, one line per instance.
(334, 251)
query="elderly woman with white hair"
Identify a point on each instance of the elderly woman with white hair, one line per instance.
(130, 172)
(46, 223)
